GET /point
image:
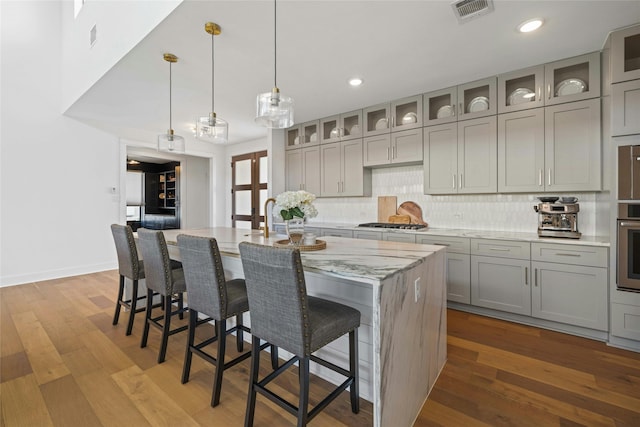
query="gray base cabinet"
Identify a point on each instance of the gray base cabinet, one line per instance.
(458, 265)
(625, 321)
(571, 294)
(501, 284)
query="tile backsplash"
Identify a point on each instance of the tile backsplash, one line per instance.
(499, 212)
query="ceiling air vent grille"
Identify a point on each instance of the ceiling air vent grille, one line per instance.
(466, 10)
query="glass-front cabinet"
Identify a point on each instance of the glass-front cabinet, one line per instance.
(477, 99)
(572, 79)
(625, 54)
(396, 116)
(341, 127)
(521, 90)
(304, 134)
(439, 106)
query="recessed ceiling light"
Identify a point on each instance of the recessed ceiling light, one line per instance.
(530, 25)
(355, 81)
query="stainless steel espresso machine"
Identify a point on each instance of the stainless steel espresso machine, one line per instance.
(558, 219)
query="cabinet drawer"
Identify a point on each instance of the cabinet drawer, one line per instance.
(337, 232)
(458, 245)
(369, 235)
(400, 237)
(625, 321)
(500, 248)
(570, 254)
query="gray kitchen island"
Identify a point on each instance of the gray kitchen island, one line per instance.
(400, 289)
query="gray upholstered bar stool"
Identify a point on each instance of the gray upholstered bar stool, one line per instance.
(161, 278)
(211, 295)
(129, 266)
(283, 314)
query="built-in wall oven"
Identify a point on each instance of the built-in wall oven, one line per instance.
(629, 246)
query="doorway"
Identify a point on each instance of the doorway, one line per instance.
(249, 174)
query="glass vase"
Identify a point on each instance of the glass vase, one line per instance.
(295, 230)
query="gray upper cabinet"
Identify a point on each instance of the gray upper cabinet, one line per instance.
(341, 127)
(396, 116)
(521, 151)
(341, 171)
(572, 79)
(625, 54)
(520, 90)
(625, 108)
(572, 146)
(461, 157)
(305, 134)
(477, 156)
(395, 148)
(302, 168)
(439, 107)
(441, 159)
(477, 99)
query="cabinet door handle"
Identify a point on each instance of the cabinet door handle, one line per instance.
(454, 182)
(539, 98)
(500, 249)
(393, 121)
(394, 153)
(565, 254)
(461, 110)
(338, 187)
(549, 90)
(526, 276)
(549, 178)
(540, 177)
(388, 154)
(460, 182)
(454, 109)
(535, 274)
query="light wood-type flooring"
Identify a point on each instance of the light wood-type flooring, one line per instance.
(64, 364)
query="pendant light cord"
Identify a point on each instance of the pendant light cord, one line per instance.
(170, 125)
(275, 45)
(212, 74)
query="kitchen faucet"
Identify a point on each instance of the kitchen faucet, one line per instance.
(266, 216)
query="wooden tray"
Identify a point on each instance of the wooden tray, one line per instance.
(320, 244)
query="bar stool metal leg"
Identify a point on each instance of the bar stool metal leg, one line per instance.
(116, 315)
(253, 379)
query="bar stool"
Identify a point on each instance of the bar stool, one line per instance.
(164, 280)
(283, 314)
(212, 295)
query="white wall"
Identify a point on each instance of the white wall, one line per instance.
(120, 25)
(57, 174)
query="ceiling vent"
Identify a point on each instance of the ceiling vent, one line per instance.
(466, 10)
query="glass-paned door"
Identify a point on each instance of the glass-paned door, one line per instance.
(248, 189)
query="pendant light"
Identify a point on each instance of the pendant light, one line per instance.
(273, 109)
(169, 141)
(212, 128)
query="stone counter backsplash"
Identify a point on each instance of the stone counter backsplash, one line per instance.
(499, 212)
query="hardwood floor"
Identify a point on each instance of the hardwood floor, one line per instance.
(63, 364)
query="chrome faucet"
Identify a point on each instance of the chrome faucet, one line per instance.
(266, 216)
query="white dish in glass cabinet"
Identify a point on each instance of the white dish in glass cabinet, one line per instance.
(334, 133)
(313, 137)
(381, 124)
(479, 103)
(409, 118)
(355, 129)
(570, 87)
(521, 95)
(444, 111)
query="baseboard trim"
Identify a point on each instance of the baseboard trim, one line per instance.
(21, 279)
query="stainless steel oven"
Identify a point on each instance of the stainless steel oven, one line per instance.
(629, 246)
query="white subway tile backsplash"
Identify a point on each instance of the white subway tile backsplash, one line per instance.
(499, 212)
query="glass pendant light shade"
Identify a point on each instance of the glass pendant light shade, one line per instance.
(169, 141)
(212, 128)
(274, 110)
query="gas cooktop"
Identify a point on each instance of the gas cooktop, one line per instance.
(392, 225)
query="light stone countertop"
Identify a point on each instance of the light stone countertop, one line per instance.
(478, 234)
(365, 261)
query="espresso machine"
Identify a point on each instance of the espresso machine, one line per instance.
(558, 219)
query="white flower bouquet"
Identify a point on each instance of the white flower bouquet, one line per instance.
(299, 204)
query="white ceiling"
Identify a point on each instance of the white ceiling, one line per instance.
(400, 48)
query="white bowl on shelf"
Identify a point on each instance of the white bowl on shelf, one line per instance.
(334, 133)
(521, 95)
(444, 111)
(313, 137)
